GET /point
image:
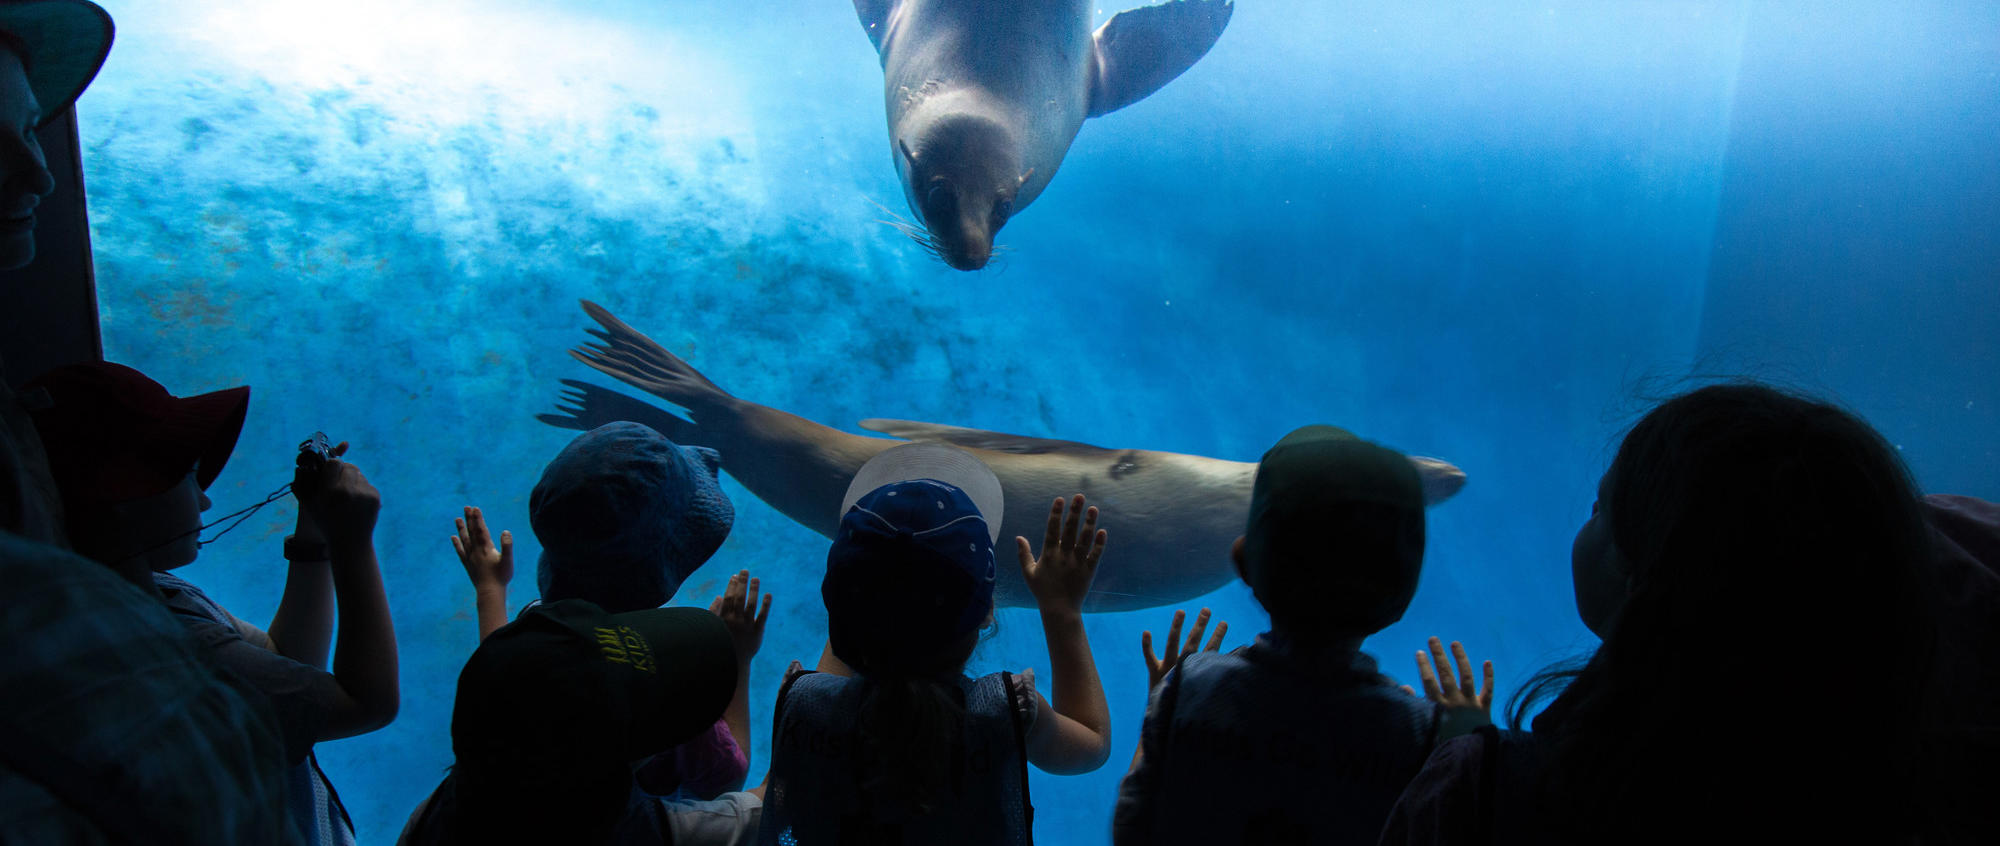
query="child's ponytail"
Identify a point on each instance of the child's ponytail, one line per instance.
(912, 727)
(911, 742)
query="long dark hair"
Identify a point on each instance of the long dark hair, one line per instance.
(912, 726)
(1772, 657)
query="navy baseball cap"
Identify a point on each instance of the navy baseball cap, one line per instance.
(625, 515)
(911, 568)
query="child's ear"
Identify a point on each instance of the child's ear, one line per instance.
(1236, 555)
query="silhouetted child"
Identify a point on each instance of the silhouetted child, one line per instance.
(48, 52)
(890, 743)
(553, 711)
(1297, 738)
(1760, 570)
(624, 516)
(132, 461)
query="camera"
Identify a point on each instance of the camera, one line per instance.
(315, 452)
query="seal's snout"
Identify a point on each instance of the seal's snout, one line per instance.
(961, 226)
(971, 252)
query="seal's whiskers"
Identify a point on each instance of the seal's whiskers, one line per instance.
(910, 230)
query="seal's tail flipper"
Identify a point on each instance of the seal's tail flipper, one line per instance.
(1142, 49)
(585, 407)
(1441, 479)
(629, 356)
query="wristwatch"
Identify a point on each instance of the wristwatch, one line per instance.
(303, 550)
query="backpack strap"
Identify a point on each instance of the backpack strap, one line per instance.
(1019, 704)
(1489, 780)
(332, 797)
(785, 690)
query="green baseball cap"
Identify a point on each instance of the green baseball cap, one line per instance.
(1336, 531)
(571, 684)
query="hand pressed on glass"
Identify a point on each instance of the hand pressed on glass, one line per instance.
(1464, 709)
(486, 565)
(1174, 653)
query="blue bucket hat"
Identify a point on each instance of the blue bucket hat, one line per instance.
(624, 516)
(911, 568)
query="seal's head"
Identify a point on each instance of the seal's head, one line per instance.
(961, 176)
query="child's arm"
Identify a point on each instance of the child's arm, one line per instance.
(345, 506)
(738, 608)
(1075, 735)
(1140, 790)
(302, 627)
(1463, 710)
(490, 569)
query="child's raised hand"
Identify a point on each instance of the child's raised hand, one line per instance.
(487, 566)
(1060, 578)
(1464, 710)
(1156, 668)
(739, 610)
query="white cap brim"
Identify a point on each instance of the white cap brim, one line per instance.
(937, 462)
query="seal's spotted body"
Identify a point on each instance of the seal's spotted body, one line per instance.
(1172, 516)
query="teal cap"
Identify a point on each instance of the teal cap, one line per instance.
(1338, 522)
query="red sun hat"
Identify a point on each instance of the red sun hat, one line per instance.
(113, 434)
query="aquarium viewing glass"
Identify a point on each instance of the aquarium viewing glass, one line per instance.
(1487, 232)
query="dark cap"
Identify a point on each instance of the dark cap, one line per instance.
(1336, 522)
(625, 515)
(113, 434)
(65, 41)
(911, 568)
(569, 684)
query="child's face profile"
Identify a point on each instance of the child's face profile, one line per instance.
(147, 522)
(1598, 572)
(24, 175)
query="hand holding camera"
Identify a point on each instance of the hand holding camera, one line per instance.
(333, 495)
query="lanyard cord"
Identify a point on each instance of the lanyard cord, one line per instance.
(240, 515)
(282, 492)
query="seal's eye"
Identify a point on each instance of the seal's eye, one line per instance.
(1002, 209)
(939, 198)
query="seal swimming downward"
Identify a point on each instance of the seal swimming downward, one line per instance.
(1174, 515)
(985, 96)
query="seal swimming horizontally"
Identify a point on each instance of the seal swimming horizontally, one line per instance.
(985, 96)
(1174, 515)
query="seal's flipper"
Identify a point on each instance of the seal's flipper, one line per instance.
(911, 430)
(874, 16)
(1140, 50)
(626, 354)
(586, 406)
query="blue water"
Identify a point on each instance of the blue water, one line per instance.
(1483, 231)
